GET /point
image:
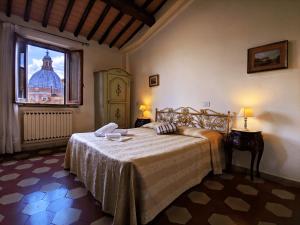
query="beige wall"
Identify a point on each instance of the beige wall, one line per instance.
(202, 56)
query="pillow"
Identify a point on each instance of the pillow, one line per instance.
(195, 132)
(152, 125)
(165, 128)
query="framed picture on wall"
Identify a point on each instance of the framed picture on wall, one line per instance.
(268, 57)
(153, 80)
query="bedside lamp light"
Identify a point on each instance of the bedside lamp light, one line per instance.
(246, 112)
(142, 108)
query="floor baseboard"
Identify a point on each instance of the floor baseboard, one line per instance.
(280, 180)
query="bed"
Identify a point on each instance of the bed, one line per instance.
(135, 180)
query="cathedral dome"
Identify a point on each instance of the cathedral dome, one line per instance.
(46, 77)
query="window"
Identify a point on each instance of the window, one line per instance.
(46, 74)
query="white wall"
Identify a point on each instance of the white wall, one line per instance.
(202, 56)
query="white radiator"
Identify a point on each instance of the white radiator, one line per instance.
(42, 126)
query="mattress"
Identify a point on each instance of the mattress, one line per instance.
(135, 180)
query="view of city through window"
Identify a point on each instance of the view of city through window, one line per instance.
(46, 76)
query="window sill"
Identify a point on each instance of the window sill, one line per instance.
(45, 105)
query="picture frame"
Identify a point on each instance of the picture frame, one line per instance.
(272, 56)
(153, 80)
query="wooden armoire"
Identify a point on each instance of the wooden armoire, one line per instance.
(112, 97)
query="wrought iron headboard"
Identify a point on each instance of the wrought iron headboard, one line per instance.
(204, 118)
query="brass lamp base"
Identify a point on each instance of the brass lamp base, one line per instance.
(245, 123)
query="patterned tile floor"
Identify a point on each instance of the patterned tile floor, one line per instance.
(36, 190)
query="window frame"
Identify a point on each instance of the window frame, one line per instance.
(67, 53)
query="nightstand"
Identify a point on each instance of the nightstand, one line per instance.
(245, 140)
(141, 121)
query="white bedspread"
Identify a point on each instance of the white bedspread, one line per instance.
(137, 179)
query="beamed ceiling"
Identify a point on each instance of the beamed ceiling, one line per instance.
(111, 22)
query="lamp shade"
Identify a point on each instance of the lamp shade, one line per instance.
(246, 112)
(142, 108)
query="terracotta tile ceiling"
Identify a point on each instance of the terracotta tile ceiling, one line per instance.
(111, 22)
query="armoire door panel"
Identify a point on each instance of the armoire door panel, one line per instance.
(112, 97)
(117, 89)
(117, 114)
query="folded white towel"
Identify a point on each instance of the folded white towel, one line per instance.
(122, 139)
(123, 132)
(108, 128)
(116, 137)
(113, 135)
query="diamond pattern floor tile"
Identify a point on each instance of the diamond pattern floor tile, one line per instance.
(227, 176)
(33, 197)
(10, 198)
(247, 189)
(10, 176)
(213, 185)
(283, 194)
(9, 163)
(56, 194)
(60, 204)
(199, 197)
(50, 187)
(24, 166)
(35, 207)
(265, 223)
(41, 170)
(66, 216)
(178, 215)
(279, 209)
(41, 218)
(77, 193)
(219, 219)
(60, 174)
(28, 182)
(36, 159)
(51, 161)
(237, 204)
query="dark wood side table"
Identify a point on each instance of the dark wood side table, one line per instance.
(245, 140)
(141, 121)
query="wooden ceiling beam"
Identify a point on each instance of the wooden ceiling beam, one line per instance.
(84, 17)
(27, 10)
(141, 26)
(159, 6)
(8, 7)
(47, 13)
(111, 26)
(128, 7)
(132, 35)
(126, 27)
(66, 15)
(99, 22)
(131, 21)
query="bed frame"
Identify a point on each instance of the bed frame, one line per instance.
(204, 118)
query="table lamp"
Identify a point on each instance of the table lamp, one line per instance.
(246, 112)
(142, 108)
